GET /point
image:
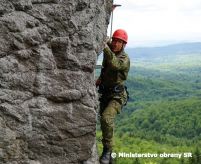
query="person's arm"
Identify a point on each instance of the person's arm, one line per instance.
(98, 82)
(120, 63)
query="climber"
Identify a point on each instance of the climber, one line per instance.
(114, 72)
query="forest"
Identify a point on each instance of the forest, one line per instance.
(164, 110)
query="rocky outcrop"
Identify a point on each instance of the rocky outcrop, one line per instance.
(48, 102)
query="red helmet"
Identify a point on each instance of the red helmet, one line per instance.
(120, 34)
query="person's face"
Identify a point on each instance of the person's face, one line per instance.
(116, 45)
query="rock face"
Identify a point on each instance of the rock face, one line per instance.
(48, 101)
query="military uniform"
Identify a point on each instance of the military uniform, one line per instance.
(113, 94)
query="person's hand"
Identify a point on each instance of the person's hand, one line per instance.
(98, 82)
(107, 42)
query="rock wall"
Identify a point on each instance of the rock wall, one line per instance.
(48, 102)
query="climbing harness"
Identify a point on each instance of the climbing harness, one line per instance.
(127, 93)
(116, 89)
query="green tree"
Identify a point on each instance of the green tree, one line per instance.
(196, 158)
(137, 161)
(182, 161)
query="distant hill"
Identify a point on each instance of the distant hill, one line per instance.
(175, 49)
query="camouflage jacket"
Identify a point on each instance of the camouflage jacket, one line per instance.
(115, 68)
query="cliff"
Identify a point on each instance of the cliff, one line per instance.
(48, 101)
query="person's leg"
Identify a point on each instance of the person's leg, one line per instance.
(107, 127)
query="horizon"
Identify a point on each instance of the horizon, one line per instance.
(100, 57)
(164, 44)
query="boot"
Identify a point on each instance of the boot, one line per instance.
(106, 157)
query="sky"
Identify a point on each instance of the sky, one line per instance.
(158, 22)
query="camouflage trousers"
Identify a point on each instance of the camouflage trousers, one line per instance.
(107, 122)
